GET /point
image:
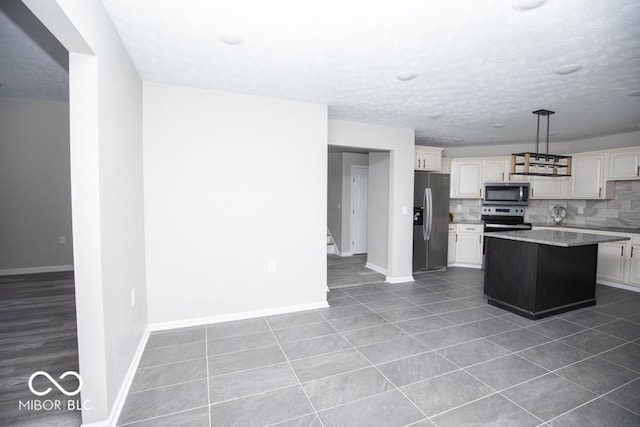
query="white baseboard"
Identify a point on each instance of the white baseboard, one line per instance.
(459, 264)
(340, 253)
(402, 279)
(161, 326)
(126, 385)
(32, 270)
(618, 285)
(376, 268)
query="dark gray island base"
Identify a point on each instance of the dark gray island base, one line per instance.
(540, 273)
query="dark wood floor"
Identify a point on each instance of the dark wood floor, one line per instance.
(350, 271)
(37, 333)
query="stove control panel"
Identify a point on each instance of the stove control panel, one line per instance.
(502, 211)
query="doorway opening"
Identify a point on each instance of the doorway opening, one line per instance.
(357, 216)
(37, 285)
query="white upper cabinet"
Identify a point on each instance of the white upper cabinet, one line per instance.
(592, 175)
(624, 165)
(544, 187)
(495, 170)
(466, 179)
(428, 158)
(588, 172)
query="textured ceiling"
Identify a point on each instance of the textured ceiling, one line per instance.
(478, 63)
(33, 64)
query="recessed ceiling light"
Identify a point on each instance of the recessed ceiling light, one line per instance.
(499, 125)
(434, 115)
(525, 5)
(406, 75)
(230, 37)
(634, 93)
(567, 69)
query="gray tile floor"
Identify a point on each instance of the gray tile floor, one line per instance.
(350, 271)
(429, 353)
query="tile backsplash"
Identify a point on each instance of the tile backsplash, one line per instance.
(465, 209)
(621, 211)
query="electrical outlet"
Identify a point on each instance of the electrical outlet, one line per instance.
(62, 240)
(272, 268)
(580, 209)
(133, 297)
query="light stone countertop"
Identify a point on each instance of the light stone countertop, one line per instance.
(633, 230)
(556, 237)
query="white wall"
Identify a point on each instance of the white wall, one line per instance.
(378, 210)
(621, 140)
(107, 198)
(399, 142)
(35, 186)
(232, 183)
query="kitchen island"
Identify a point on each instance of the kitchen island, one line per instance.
(539, 273)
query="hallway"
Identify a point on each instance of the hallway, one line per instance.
(350, 271)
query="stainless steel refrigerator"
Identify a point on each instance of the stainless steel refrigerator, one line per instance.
(430, 221)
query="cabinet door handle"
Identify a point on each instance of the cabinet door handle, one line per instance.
(532, 189)
(479, 239)
(621, 250)
(456, 237)
(481, 193)
(631, 251)
(503, 176)
(600, 192)
(638, 171)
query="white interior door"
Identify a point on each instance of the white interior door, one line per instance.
(359, 178)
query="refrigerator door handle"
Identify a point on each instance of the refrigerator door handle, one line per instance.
(425, 215)
(429, 219)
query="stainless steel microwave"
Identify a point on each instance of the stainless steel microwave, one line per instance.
(506, 193)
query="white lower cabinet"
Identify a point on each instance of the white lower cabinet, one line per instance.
(618, 262)
(634, 261)
(468, 244)
(611, 261)
(451, 248)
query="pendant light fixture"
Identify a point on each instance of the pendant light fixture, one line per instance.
(541, 164)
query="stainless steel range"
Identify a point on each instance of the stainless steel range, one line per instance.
(502, 218)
